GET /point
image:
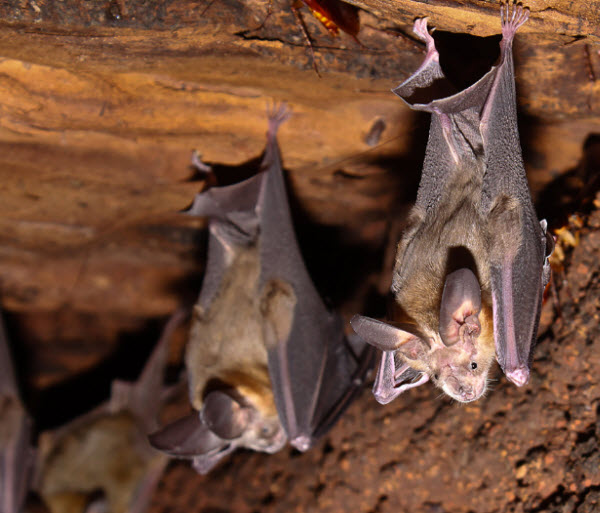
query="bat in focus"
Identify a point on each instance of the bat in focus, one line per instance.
(16, 453)
(472, 265)
(266, 361)
(102, 461)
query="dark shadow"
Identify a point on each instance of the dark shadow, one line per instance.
(465, 58)
(573, 191)
(338, 266)
(60, 403)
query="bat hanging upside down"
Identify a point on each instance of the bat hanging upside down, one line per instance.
(472, 265)
(266, 361)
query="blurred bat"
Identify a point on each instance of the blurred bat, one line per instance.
(16, 453)
(472, 266)
(266, 361)
(102, 461)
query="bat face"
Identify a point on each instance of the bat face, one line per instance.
(102, 461)
(471, 267)
(266, 361)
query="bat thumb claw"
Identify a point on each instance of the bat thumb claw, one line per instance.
(302, 442)
(519, 376)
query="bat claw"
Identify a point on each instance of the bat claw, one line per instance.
(519, 376)
(302, 442)
(420, 29)
(512, 16)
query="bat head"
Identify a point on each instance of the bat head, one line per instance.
(458, 354)
(461, 355)
(227, 421)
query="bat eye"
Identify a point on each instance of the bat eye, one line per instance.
(473, 365)
(435, 376)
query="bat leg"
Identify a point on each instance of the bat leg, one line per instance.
(448, 132)
(420, 29)
(385, 388)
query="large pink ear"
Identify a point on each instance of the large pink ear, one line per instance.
(460, 307)
(389, 338)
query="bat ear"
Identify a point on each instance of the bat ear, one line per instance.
(186, 437)
(460, 306)
(224, 416)
(388, 338)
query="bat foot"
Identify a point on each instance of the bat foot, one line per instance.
(420, 29)
(199, 165)
(277, 114)
(512, 16)
(519, 376)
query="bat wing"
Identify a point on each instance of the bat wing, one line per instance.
(233, 211)
(474, 126)
(314, 373)
(142, 398)
(516, 271)
(16, 453)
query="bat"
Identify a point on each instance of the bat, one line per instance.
(472, 265)
(102, 461)
(266, 361)
(16, 453)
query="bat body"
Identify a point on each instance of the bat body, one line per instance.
(102, 461)
(471, 267)
(16, 453)
(266, 361)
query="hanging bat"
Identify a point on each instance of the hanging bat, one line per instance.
(102, 461)
(266, 361)
(471, 267)
(16, 453)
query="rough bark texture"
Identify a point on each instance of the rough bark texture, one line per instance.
(101, 104)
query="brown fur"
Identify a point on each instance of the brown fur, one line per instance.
(228, 345)
(450, 236)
